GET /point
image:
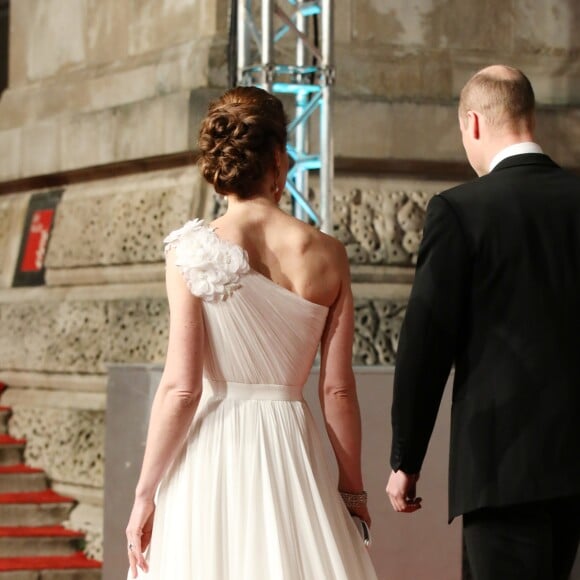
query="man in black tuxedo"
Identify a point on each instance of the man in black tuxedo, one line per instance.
(497, 294)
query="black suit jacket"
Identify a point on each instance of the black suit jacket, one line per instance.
(497, 294)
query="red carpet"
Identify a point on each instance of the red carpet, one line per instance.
(51, 531)
(46, 496)
(78, 560)
(7, 440)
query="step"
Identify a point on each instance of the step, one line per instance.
(39, 508)
(39, 541)
(74, 567)
(20, 477)
(72, 574)
(11, 450)
(82, 574)
(5, 413)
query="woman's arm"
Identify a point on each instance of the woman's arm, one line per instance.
(173, 407)
(337, 388)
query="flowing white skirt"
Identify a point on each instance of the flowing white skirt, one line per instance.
(251, 498)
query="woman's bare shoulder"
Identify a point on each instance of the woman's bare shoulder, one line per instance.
(321, 255)
(325, 246)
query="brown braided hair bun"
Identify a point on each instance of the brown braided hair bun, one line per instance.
(238, 137)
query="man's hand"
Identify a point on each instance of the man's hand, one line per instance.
(402, 490)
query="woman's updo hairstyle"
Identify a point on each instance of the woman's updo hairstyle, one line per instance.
(238, 137)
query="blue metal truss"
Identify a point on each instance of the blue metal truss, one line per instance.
(308, 78)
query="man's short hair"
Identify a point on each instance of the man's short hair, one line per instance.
(504, 95)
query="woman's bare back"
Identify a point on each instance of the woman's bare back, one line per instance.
(286, 250)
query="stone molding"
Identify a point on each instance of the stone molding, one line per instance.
(395, 292)
(380, 274)
(125, 274)
(57, 399)
(103, 171)
(81, 293)
(54, 381)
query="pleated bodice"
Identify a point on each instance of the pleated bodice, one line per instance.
(257, 332)
(262, 334)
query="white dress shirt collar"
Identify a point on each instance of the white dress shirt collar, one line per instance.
(516, 149)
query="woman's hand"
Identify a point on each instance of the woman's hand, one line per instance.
(138, 533)
(362, 512)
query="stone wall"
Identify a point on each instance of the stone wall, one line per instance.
(123, 83)
(417, 50)
(114, 86)
(98, 82)
(401, 65)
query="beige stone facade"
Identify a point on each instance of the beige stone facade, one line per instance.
(99, 82)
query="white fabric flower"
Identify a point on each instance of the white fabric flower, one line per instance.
(212, 267)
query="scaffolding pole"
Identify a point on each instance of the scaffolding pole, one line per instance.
(267, 33)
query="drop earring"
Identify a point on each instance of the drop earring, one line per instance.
(275, 188)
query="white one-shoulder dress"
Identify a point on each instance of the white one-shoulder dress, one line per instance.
(250, 496)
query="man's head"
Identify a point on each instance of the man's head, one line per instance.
(496, 109)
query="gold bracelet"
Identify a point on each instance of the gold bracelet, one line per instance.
(354, 500)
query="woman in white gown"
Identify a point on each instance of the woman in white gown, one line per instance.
(234, 484)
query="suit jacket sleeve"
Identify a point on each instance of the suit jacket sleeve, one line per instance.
(429, 335)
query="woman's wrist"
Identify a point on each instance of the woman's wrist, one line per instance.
(354, 500)
(145, 494)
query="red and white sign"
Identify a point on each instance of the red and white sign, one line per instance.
(37, 240)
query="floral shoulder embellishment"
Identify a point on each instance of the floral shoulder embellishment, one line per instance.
(212, 267)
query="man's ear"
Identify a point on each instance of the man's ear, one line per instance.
(473, 124)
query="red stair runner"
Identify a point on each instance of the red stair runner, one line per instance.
(78, 560)
(46, 496)
(38, 532)
(7, 440)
